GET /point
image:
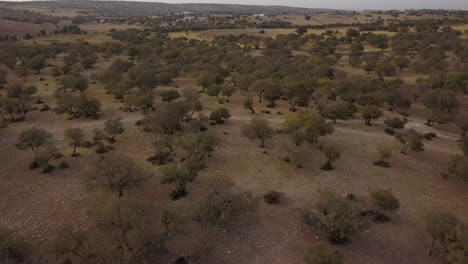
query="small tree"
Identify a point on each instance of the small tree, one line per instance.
(32, 138)
(332, 153)
(464, 145)
(117, 174)
(180, 175)
(384, 152)
(410, 140)
(74, 137)
(258, 128)
(169, 95)
(370, 112)
(384, 200)
(305, 126)
(338, 217)
(395, 123)
(458, 168)
(248, 104)
(214, 90)
(219, 115)
(322, 253)
(442, 227)
(228, 91)
(338, 110)
(43, 155)
(113, 127)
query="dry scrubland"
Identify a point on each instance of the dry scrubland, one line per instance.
(38, 206)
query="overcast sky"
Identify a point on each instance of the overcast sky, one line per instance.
(342, 4)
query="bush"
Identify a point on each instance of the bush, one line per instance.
(339, 218)
(272, 197)
(430, 136)
(384, 200)
(63, 165)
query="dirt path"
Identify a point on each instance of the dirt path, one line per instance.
(415, 124)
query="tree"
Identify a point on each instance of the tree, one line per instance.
(260, 86)
(301, 30)
(74, 137)
(193, 145)
(462, 123)
(219, 115)
(75, 82)
(384, 200)
(322, 253)
(338, 217)
(272, 93)
(192, 98)
(384, 152)
(214, 90)
(12, 251)
(464, 145)
(22, 70)
(78, 105)
(441, 100)
(370, 112)
(32, 138)
(305, 126)
(169, 95)
(402, 62)
(248, 104)
(442, 227)
(19, 101)
(43, 155)
(228, 91)
(121, 230)
(221, 205)
(113, 127)
(395, 123)
(332, 153)
(338, 110)
(37, 63)
(458, 168)
(179, 175)
(410, 140)
(258, 128)
(117, 174)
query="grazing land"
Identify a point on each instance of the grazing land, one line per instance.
(219, 135)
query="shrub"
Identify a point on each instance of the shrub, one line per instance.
(272, 197)
(385, 200)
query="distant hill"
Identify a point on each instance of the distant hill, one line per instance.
(127, 8)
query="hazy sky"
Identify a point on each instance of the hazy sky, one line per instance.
(342, 4)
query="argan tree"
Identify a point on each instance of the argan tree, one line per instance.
(338, 217)
(117, 174)
(75, 137)
(370, 112)
(332, 153)
(32, 138)
(258, 128)
(113, 127)
(305, 126)
(410, 140)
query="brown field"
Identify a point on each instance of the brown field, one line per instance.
(20, 29)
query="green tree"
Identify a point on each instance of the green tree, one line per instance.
(169, 95)
(338, 110)
(338, 217)
(410, 140)
(219, 115)
(395, 123)
(305, 126)
(180, 175)
(370, 112)
(113, 127)
(332, 153)
(75, 137)
(116, 174)
(258, 128)
(32, 138)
